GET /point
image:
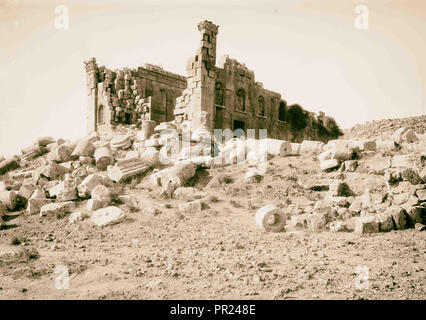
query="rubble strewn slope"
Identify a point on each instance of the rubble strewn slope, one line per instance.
(276, 220)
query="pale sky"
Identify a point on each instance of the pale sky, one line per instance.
(307, 50)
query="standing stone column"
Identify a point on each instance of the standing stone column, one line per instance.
(92, 93)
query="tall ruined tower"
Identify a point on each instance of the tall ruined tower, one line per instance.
(201, 80)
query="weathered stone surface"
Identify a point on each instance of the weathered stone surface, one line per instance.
(385, 221)
(366, 225)
(120, 142)
(405, 134)
(295, 147)
(44, 141)
(76, 217)
(329, 164)
(88, 184)
(54, 170)
(356, 205)
(102, 193)
(105, 216)
(173, 177)
(299, 221)
(93, 205)
(103, 157)
(61, 153)
(151, 157)
(25, 192)
(399, 216)
(9, 199)
(57, 208)
(349, 165)
(83, 148)
(378, 164)
(417, 214)
(421, 194)
(317, 221)
(270, 219)
(308, 146)
(272, 147)
(342, 149)
(401, 198)
(326, 155)
(338, 226)
(404, 161)
(3, 209)
(125, 169)
(385, 146)
(147, 130)
(188, 193)
(8, 165)
(190, 207)
(338, 188)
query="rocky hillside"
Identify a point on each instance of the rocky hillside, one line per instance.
(383, 129)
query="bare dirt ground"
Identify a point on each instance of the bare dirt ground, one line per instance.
(217, 254)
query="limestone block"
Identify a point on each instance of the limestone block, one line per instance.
(102, 193)
(93, 205)
(405, 161)
(76, 217)
(120, 142)
(25, 192)
(308, 146)
(338, 226)
(399, 216)
(54, 170)
(295, 147)
(57, 208)
(83, 148)
(61, 153)
(270, 219)
(103, 157)
(44, 141)
(125, 169)
(385, 146)
(349, 165)
(273, 147)
(188, 193)
(385, 221)
(378, 164)
(405, 134)
(329, 164)
(326, 155)
(89, 183)
(34, 205)
(8, 165)
(106, 216)
(366, 225)
(9, 199)
(317, 221)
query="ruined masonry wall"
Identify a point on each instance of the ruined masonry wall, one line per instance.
(128, 96)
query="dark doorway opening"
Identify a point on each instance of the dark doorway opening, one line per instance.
(239, 128)
(128, 118)
(218, 118)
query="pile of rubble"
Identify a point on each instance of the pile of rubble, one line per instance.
(59, 177)
(400, 162)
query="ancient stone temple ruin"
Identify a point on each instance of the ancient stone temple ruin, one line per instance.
(223, 96)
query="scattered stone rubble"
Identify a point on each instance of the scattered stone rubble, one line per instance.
(59, 177)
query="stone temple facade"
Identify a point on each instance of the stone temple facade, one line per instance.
(222, 96)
